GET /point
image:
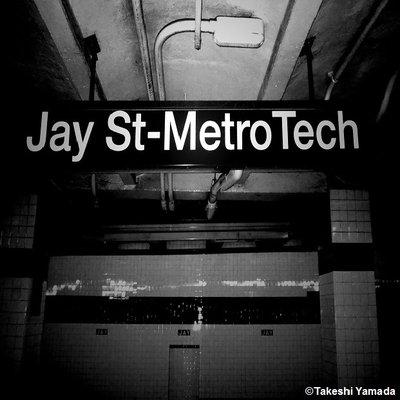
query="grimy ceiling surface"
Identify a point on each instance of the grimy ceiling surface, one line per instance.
(45, 50)
(211, 73)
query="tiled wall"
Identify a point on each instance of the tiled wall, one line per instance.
(17, 227)
(350, 216)
(349, 327)
(21, 295)
(20, 327)
(236, 361)
(230, 275)
(15, 294)
(184, 310)
(34, 327)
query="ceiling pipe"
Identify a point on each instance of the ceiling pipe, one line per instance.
(171, 203)
(224, 182)
(162, 192)
(386, 97)
(335, 76)
(197, 31)
(228, 32)
(144, 47)
(94, 191)
(186, 25)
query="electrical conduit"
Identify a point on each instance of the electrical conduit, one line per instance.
(224, 182)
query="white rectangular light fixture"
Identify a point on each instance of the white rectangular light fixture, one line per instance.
(238, 32)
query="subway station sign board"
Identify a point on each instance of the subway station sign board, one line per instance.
(117, 136)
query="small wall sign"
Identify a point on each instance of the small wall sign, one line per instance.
(267, 332)
(183, 332)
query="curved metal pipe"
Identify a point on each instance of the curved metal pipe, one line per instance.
(185, 25)
(336, 75)
(211, 206)
(232, 177)
(224, 182)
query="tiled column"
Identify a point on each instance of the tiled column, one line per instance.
(347, 294)
(17, 227)
(34, 328)
(14, 294)
(350, 216)
(349, 327)
(21, 323)
(328, 329)
(21, 286)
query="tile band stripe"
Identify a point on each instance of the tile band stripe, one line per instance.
(184, 310)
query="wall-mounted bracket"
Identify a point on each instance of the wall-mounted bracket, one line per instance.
(307, 52)
(92, 48)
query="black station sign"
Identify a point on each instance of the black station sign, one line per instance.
(115, 136)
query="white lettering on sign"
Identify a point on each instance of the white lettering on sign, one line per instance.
(170, 124)
(285, 130)
(63, 137)
(182, 131)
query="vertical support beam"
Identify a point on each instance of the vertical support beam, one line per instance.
(75, 29)
(294, 29)
(67, 35)
(275, 50)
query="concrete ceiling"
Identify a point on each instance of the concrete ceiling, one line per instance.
(335, 28)
(46, 49)
(206, 74)
(272, 72)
